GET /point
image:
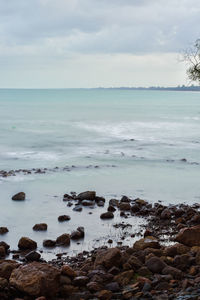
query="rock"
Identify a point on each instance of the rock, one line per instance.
(3, 283)
(176, 249)
(125, 199)
(111, 208)
(166, 214)
(5, 245)
(19, 196)
(63, 218)
(80, 280)
(124, 278)
(65, 280)
(100, 199)
(113, 287)
(33, 256)
(63, 240)
(189, 236)
(68, 271)
(108, 258)
(3, 230)
(87, 202)
(100, 203)
(174, 272)
(78, 234)
(40, 227)
(25, 244)
(49, 243)
(94, 287)
(107, 215)
(78, 208)
(183, 261)
(2, 251)
(124, 206)
(147, 242)
(36, 279)
(6, 268)
(88, 195)
(155, 264)
(104, 295)
(114, 202)
(134, 262)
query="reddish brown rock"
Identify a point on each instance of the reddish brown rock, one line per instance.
(36, 279)
(67, 270)
(25, 244)
(147, 242)
(80, 280)
(189, 236)
(108, 258)
(6, 268)
(40, 227)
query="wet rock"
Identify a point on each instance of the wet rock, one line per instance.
(174, 272)
(135, 208)
(6, 268)
(25, 244)
(68, 271)
(3, 230)
(67, 197)
(2, 251)
(19, 196)
(114, 202)
(100, 204)
(94, 287)
(124, 206)
(113, 287)
(87, 202)
(78, 234)
(88, 195)
(111, 208)
(108, 258)
(189, 236)
(63, 240)
(40, 227)
(124, 278)
(176, 249)
(104, 295)
(63, 218)
(107, 215)
(80, 280)
(33, 256)
(166, 214)
(49, 243)
(36, 279)
(3, 283)
(5, 245)
(134, 262)
(100, 199)
(125, 199)
(155, 264)
(147, 242)
(183, 261)
(78, 208)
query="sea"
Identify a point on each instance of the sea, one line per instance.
(140, 143)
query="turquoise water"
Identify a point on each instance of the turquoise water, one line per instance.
(120, 142)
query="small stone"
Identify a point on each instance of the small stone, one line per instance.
(40, 227)
(63, 218)
(19, 196)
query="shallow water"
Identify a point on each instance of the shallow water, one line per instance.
(136, 138)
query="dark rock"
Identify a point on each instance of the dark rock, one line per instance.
(63, 218)
(6, 268)
(78, 234)
(63, 240)
(113, 287)
(3, 230)
(40, 227)
(155, 264)
(19, 196)
(77, 208)
(49, 243)
(114, 202)
(107, 215)
(147, 242)
(189, 236)
(2, 251)
(100, 199)
(174, 272)
(33, 256)
(88, 195)
(94, 287)
(166, 214)
(124, 206)
(68, 271)
(87, 202)
(25, 244)
(100, 203)
(80, 280)
(125, 199)
(111, 208)
(5, 245)
(108, 258)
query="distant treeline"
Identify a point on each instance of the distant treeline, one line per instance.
(158, 88)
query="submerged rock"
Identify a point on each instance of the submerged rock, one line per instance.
(40, 227)
(19, 196)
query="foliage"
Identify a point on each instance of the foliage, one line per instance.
(192, 57)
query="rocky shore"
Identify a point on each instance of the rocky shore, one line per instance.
(162, 264)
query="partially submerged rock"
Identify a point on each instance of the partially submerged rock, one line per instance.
(26, 243)
(107, 215)
(189, 236)
(40, 227)
(19, 196)
(147, 242)
(63, 218)
(88, 195)
(3, 230)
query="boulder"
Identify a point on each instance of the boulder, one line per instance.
(104, 295)
(68, 271)
(88, 195)
(3, 230)
(189, 236)
(108, 258)
(36, 279)
(174, 272)
(63, 240)
(33, 256)
(40, 227)
(25, 244)
(6, 268)
(155, 264)
(147, 242)
(125, 199)
(107, 215)
(176, 249)
(124, 206)
(78, 234)
(63, 218)
(49, 243)
(19, 196)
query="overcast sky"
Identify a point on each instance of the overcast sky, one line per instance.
(90, 43)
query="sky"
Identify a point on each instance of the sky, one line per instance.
(93, 43)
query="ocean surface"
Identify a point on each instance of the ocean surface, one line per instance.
(117, 142)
